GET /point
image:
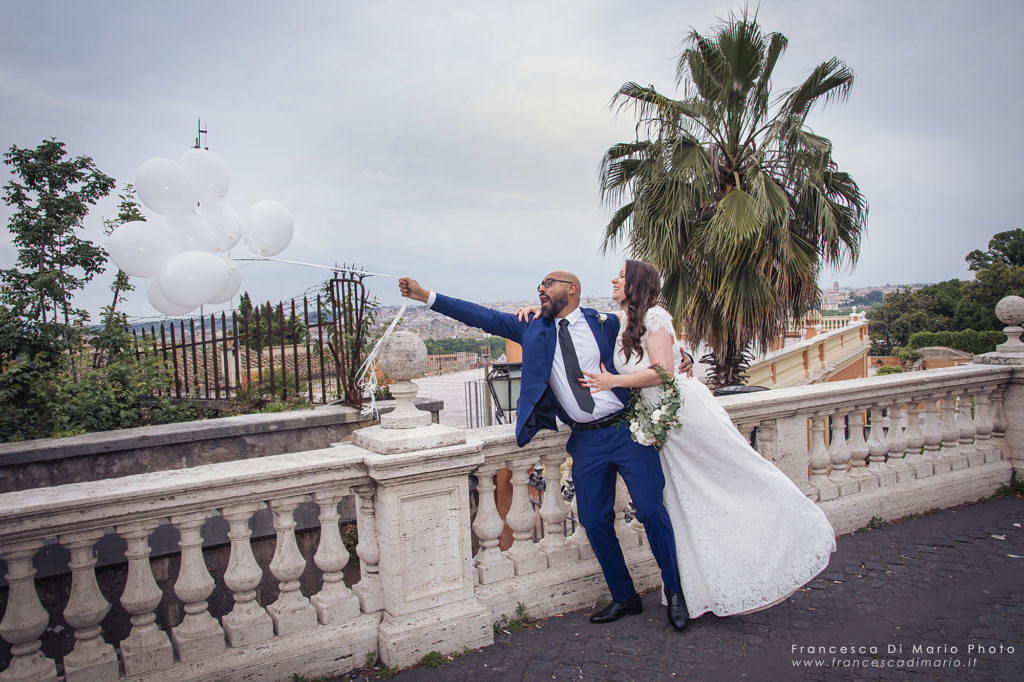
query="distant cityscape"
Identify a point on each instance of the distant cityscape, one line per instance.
(427, 324)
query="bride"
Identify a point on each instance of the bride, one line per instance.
(746, 537)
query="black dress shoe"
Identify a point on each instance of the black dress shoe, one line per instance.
(618, 609)
(678, 616)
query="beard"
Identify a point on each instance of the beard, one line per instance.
(554, 305)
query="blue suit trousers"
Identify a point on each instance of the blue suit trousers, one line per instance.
(596, 457)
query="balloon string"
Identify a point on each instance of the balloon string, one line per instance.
(367, 379)
(322, 267)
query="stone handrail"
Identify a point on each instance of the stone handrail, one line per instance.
(896, 445)
(812, 360)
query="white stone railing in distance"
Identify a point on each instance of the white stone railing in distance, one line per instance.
(813, 360)
(885, 447)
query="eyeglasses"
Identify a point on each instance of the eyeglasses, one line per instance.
(546, 284)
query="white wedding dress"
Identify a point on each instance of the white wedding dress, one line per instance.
(746, 537)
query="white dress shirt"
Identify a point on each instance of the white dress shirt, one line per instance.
(589, 356)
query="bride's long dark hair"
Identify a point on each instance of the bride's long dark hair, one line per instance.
(641, 291)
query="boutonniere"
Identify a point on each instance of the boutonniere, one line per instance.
(601, 317)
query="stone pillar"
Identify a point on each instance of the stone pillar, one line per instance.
(521, 518)
(292, 612)
(368, 590)
(248, 622)
(198, 635)
(951, 434)
(421, 507)
(92, 658)
(492, 564)
(1011, 311)
(933, 435)
(147, 647)
(859, 452)
(25, 618)
(878, 449)
(820, 461)
(554, 511)
(915, 441)
(334, 603)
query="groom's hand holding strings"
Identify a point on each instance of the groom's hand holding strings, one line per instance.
(410, 288)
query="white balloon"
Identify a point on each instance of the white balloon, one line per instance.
(190, 232)
(158, 299)
(225, 223)
(166, 187)
(208, 173)
(268, 228)
(231, 288)
(140, 249)
(192, 278)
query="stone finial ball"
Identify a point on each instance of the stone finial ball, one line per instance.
(1011, 310)
(403, 356)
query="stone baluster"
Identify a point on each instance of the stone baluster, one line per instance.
(999, 423)
(983, 424)
(965, 420)
(819, 461)
(579, 537)
(553, 512)
(839, 455)
(491, 563)
(368, 589)
(334, 603)
(25, 619)
(199, 635)
(292, 611)
(248, 622)
(92, 658)
(951, 434)
(859, 452)
(525, 555)
(146, 647)
(933, 436)
(878, 449)
(898, 443)
(915, 441)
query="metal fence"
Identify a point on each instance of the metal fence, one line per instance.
(313, 352)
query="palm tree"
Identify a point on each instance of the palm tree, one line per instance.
(731, 196)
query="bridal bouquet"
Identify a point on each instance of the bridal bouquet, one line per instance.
(650, 424)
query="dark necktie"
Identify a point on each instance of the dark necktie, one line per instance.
(572, 368)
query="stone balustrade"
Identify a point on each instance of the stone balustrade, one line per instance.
(431, 575)
(818, 359)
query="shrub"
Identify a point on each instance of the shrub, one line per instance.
(882, 371)
(968, 340)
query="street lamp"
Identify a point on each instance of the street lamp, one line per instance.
(504, 381)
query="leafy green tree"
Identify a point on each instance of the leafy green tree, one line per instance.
(51, 196)
(442, 346)
(127, 211)
(729, 193)
(869, 299)
(1005, 247)
(263, 324)
(930, 308)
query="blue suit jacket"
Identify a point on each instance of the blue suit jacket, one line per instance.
(537, 406)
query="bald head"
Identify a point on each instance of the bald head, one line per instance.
(559, 294)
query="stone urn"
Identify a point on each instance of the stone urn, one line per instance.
(403, 357)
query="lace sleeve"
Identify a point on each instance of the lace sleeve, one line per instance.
(657, 318)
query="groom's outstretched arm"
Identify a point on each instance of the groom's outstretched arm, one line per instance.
(491, 321)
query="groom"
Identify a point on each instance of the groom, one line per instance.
(567, 341)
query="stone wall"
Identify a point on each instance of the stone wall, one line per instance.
(113, 454)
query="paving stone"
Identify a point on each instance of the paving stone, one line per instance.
(955, 587)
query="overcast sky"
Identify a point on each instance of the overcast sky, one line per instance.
(459, 142)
